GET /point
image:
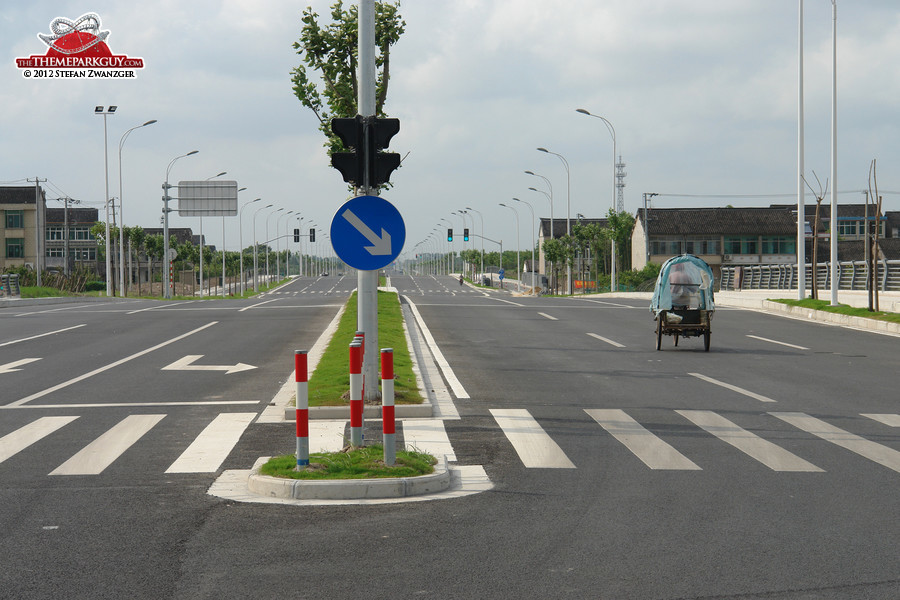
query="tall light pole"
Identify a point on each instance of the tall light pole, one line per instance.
(241, 239)
(480, 216)
(549, 196)
(834, 215)
(268, 248)
(801, 193)
(518, 250)
(100, 110)
(123, 289)
(278, 244)
(568, 213)
(533, 241)
(166, 211)
(256, 250)
(612, 132)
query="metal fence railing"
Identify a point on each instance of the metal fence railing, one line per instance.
(852, 275)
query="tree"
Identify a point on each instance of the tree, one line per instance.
(136, 240)
(154, 247)
(620, 226)
(332, 51)
(558, 251)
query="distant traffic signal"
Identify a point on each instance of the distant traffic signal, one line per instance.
(450, 235)
(465, 235)
(312, 235)
(296, 235)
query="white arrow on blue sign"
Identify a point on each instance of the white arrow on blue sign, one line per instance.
(368, 233)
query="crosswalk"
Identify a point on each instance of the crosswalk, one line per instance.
(536, 448)
(205, 454)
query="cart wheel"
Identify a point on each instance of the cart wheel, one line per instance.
(659, 333)
(676, 340)
(706, 340)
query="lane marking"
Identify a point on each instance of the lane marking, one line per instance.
(34, 337)
(107, 367)
(103, 451)
(889, 420)
(135, 404)
(502, 300)
(449, 375)
(13, 443)
(546, 316)
(259, 304)
(428, 435)
(186, 364)
(756, 337)
(883, 455)
(533, 445)
(653, 452)
(773, 456)
(11, 367)
(160, 305)
(607, 340)
(210, 449)
(733, 388)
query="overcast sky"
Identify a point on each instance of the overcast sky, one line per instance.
(702, 95)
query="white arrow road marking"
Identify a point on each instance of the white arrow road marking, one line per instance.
(381, 245)
(186, 364)
(10, 367)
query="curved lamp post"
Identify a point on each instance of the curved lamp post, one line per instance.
(568, 212)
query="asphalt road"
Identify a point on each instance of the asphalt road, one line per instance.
(765, 468)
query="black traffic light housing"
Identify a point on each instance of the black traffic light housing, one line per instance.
(450, 235)
(466, 235)
(365, 137)
(296, 235)
(312, 235)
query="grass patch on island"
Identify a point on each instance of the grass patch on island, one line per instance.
(841, 309)
(366, 462)
(329, 384)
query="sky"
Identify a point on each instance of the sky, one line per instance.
(702, 94)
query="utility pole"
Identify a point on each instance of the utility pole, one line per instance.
(39, 207)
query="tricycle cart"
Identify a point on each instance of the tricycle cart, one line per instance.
(682, 302)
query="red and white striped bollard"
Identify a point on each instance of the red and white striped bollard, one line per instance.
(356, 399)
(388, 423)
(301, 377)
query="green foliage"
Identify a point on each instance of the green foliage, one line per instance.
(365, 462)
(841, 309)
(332, 52)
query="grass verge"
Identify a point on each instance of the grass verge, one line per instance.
(365, 462)
(841, 309)
(41, 292)
(330, 382)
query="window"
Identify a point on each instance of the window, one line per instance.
(735, 244)
(15, 219)
(80, 233)
(85, 253)
(701, 245)
(669, 246)
(54, 233)
(779, 245)
(56, 252)
(15, 247)
(846, 228)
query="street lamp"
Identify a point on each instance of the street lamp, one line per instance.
(549, 196)
(124, 290)
(612, 132)
(166, 211)
(480, 216)
(532, 237)
(277, 242)
(518, 249)
(98, 110)
(268, 248)
(568, 212)
(241, 240)
(256, 249)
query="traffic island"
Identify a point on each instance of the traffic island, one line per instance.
(349, 489)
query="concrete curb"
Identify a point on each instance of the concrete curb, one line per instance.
(820, 316)
(401, 411)
(349, 489)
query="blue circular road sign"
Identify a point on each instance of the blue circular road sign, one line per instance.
(368, 233)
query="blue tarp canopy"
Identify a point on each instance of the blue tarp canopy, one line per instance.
(684, 282)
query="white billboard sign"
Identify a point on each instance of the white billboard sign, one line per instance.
(207, 198)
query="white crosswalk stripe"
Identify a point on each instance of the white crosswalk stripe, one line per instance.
(210, 449)
(654, 452)
(13, 443)
(103, 451)
(535, 447)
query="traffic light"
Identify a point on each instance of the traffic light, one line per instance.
(365, 137)
(465, 235)
(450, 235)
(296, 235)
(312, 235)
